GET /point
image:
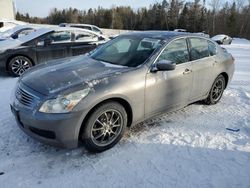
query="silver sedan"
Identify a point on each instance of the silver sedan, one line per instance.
(93, 98)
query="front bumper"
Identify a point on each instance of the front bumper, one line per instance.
(60, 130)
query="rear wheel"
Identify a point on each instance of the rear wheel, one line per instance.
(18, 65)
(216, 91)
(105, 127)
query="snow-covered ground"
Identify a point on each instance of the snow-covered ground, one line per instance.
(188, 148)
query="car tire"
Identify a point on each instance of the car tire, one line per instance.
(18, 65)
(105, 127)
(216, 91)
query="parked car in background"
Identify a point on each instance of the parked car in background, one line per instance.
(94, 98)
(16, 32)
(222, 39)
(203, 34)
(8, 24)
(180, 30)
(82, 26)
(45, 44)
(198, 33)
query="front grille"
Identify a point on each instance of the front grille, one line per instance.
(24, 97)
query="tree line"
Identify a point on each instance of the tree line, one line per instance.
(211, 16)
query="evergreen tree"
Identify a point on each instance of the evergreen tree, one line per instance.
(232, 18)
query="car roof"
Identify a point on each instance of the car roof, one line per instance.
(42, 31)
(74, 29)
(163, 35)
(77, 24)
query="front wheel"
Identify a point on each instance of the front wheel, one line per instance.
(216, 91)
(18, 65)
(105, 127)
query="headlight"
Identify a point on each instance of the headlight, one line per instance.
(64, 103)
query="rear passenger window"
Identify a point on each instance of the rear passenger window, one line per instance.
(198, 48)
(176, 52)
(211, 48)
(81, 36)
(60, 36)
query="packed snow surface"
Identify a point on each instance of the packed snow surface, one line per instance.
(198, 146)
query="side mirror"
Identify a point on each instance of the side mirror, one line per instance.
(14, 36)
(164, 65)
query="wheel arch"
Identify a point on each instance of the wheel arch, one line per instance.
(225, 75)
(119, 100)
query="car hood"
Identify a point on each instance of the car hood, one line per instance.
(59, 75)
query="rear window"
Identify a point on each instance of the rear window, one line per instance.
(198, 48)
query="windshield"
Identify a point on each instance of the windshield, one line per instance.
(130, 51)
(34, 34)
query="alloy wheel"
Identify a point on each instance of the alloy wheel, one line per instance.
(19, 66)
(217, 90)
(107, 127)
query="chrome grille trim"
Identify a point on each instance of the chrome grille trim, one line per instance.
(24, 97)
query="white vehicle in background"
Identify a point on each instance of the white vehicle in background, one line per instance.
(222, 39)
(198, 33)
(180, 30)
(8, 24)
(16, 32)
(203, 34)
(83, 26)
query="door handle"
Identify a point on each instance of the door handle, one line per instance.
(187, 71)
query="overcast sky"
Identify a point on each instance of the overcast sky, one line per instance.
(41, 8)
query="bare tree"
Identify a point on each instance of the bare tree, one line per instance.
(246, 16)
(240, 4)
(215, 4)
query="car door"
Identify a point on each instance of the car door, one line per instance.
(54, 45)
(83, 42)
(169, 89)
(203, 62)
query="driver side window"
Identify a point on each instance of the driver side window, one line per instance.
(176, 52)
(54, 38)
